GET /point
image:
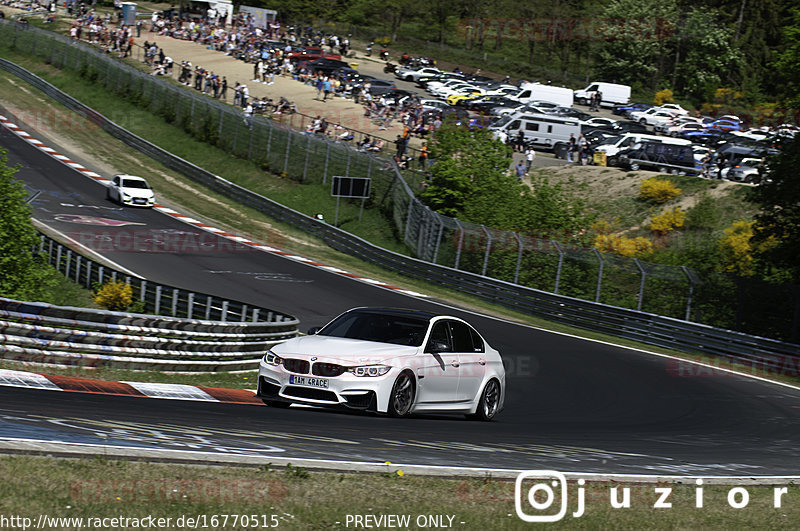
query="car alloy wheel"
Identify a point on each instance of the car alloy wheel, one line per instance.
(402, 397)
(489, 402)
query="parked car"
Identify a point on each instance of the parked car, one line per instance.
(414, 74)
(624, 108)
(312, 53)
(130, 190)
(724, 125)
(391, 361)
(746, 171)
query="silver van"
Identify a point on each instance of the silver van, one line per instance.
(541, 130)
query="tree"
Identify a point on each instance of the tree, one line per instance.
(710, 55)
(21, 273)
(638, 37)
(470, 180)
(779, 219)
(787, 63)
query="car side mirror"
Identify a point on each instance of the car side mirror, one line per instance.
(313, 330)
(435, 347)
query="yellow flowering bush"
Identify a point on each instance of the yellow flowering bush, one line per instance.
(658, 190)
(115, 296)
(622, 245)
(663, 96)
(668, 221)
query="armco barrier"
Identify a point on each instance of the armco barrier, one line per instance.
(641, 326)
(33, 332)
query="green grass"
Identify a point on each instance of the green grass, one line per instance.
(303, 500)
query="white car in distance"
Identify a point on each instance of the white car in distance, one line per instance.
(393, 361)
(130, 190)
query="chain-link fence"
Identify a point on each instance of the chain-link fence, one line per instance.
(674, 291)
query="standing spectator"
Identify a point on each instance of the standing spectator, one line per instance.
(400, 144)
(570, 147)
(519, 144)
(423, 156)
(530, 155)
(319, 86)
(224, 88)
(521, 170)
(326, 88)
(583, 146)
(248, 115)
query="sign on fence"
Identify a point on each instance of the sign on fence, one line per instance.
(350, 186)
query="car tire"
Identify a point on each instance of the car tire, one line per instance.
(662, 169)
(402, 396)
(489, 402)
(582, 101)
(643, 121)
(280, 404)
(611, 161)
(634, 166)
(410, 78)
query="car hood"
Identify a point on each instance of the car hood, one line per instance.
(341, 350)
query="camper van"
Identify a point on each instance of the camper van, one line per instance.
(612, 94)
(537, 92)
(542, 130)
(612, 146)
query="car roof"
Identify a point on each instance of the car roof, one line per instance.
(402, 312)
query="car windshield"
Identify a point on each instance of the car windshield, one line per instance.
(134, 183)
(396, 329)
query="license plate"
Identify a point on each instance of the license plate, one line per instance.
(306, 381)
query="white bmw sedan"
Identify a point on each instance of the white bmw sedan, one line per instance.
(390, 361)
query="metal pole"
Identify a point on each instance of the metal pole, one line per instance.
(641, 284)
(269, 142)
(460, 243)
(347, 167)
(158, 300)
(688, 316)
(288, 148)
(519, 258)
(308, 154)
(224, 316)
(438, 239)
(488, 249)
(190, 305)
(599, 275)
(560, 264)
(175, 292)
(325, 172)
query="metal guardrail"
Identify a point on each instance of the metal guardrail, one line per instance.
(34, 332)
(642, 326)
(188, 331)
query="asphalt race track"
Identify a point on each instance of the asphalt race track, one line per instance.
(572, 404)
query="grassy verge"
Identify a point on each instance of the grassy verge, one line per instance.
(100, 151)
(299, 499)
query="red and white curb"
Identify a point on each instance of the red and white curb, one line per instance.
(51, 382)
(14, 128)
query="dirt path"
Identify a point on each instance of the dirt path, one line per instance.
(336, 110)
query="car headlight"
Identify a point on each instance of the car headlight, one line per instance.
(370, 370)
(270, 358)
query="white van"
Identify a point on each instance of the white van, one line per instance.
(543, 130)
(536, 91)
(612, 146)
(612, 94)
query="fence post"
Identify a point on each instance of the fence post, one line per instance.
(100, 274)
(599, 274)
(208, 307)
(308, 155)
(369, 167)
(190, 305)
(69, 263)
(488, 250)
(688, 316)
(460, 243)
(88, 283)
(244, 313)
(325, 171)
(158, 300)
(347, 166)
(288, 149)
(255, 315)
(269, 141)
(143, 290)
(519, 258)
(438, 239)
(224, 316)
(641, 284)
(78, 263)
(250, 143)
(175, 292)
(560, 264)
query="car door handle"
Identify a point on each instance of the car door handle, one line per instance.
(455, 363)
(481, 362)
